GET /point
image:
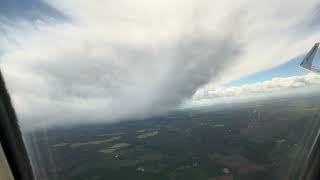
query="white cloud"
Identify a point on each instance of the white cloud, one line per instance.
(122, 59)
(268, 87)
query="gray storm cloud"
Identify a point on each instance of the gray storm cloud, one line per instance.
(114, 61)
(123, 83)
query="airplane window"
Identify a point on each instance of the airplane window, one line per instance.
(5, 172)
(164, 90)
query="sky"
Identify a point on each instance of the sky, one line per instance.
(290, 68)
(282, 78)
(76, 61)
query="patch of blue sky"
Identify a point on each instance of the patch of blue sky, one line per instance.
(28, 9)
(290, 68)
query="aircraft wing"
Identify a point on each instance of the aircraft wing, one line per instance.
(308, 60)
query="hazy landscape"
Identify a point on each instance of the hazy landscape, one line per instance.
(263, 139)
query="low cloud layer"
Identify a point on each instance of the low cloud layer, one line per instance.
(114, 60)
(268, 87)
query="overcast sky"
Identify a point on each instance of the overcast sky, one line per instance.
(80, 61)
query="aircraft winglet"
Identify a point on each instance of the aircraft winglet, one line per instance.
(308, 60)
